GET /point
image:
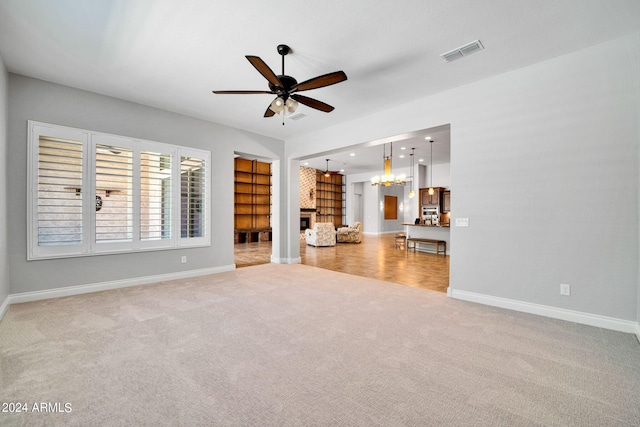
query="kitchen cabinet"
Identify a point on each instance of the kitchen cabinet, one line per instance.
(427, 199)
(446, 201)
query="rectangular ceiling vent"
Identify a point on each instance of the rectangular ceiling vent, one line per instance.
(461, 51)
(297, 116)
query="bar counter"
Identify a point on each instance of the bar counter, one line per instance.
(423, 231)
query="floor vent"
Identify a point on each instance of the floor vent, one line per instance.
(461, 51)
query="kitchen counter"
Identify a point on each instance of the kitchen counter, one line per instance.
(423, 231)
(410, 224)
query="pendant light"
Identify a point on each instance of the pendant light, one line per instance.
(412, 193)
(431, 190)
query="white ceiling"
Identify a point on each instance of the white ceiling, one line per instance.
(171, 54)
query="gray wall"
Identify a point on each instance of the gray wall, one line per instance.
(391, 225)
(544, 163)
(370, 209)
(4, 267)
(31, 99)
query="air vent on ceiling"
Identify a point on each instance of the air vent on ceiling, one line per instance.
(461, 51)
(297, 116)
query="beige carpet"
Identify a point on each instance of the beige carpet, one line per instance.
(295, 345)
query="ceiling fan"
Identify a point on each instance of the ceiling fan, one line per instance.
(285, 87)
(327, 172)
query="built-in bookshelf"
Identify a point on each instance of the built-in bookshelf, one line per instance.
(330, 198)
(252, 210)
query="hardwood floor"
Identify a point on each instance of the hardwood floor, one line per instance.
(376, 257)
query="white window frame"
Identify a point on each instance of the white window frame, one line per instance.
(89, 246)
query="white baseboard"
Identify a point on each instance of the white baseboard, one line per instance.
(276, 260)
(548, 311)
(638, 331)
(114, 284)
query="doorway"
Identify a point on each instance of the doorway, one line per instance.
(252, 211)
(431, 168)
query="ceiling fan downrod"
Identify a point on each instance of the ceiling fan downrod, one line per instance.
(283, 50)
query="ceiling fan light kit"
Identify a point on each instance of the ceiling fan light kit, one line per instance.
(277, 105)
(285, 87)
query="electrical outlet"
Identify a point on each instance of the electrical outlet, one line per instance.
(565, 289)
(183, 259)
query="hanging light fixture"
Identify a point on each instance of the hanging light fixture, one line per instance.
(431, 190)
(412, 193)
(279, 105)
(291, 105)
(388, 178)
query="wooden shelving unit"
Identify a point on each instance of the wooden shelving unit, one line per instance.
(252, 211)
(330, 198)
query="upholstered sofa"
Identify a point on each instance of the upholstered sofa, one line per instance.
(350, 234)
(322, 234)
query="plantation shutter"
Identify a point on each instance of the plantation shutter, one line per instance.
(192, 197)
(155, 196)
(114, 194)
(59, 209)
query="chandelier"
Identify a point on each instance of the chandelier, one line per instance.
(388, 178)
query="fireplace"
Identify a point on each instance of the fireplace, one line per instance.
(306, 218)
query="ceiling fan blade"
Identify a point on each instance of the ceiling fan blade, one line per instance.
(264, 69)
(269, 112)
(313, 103)
(239, 92)
(320, 81)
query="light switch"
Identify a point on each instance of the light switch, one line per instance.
(462, 222)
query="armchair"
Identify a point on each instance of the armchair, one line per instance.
(350, 234)
(322, 234)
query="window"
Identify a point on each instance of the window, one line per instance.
(192, 186)
(95, 193)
